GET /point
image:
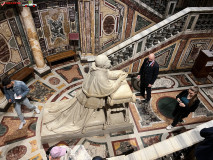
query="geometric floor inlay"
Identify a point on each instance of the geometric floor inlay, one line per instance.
(151, 139)
(10, 132)
(183, 81)
(149, 118)
(96, 148)
(70, 73)
(40, 92)
(16, 152)
(200, 81)
(63, 83)
(208, 91)
(122, 146)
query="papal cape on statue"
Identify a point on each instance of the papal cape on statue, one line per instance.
(101, 90)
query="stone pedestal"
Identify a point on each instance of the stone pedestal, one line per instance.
(42, 71)
(95, 126)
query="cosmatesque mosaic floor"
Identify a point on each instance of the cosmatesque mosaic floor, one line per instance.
(149, 120)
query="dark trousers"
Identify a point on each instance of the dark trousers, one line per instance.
(143, 87)
(178, 115)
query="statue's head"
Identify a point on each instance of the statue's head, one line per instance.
(102, 61)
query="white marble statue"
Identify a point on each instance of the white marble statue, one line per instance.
(72, 114)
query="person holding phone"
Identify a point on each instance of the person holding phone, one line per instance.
(16, 92)
(187, 102)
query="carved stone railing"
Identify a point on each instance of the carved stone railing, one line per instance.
(190, 20)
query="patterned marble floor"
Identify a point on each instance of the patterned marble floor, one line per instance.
(63, 82)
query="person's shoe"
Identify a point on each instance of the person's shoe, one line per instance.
(145, 101)
(37, 110)
(169, 127)
(181, 121)
(22, 124)
(138, 94)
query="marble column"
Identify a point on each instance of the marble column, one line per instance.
(3, 101)
(41, 68)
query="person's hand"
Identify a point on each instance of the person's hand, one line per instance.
(138, 77)
(182, 104)
(10, 100)
(178, 99)
(149, 85)
(19, 96)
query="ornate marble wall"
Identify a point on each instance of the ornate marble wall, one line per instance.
(54, 20)
(106, 23)
(178, 53)
(14, 51)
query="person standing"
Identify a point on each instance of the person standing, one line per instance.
(147, 75)
(187, 101)
(16, 92)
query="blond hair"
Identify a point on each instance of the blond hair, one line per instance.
(195, 89)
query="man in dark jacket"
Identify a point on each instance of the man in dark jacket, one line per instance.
(148, 74)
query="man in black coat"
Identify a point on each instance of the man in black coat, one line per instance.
(148, 74)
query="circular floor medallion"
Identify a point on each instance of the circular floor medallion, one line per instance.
(166, 106)
(16, 152)
(54, 81)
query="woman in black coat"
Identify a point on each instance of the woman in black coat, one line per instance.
(187, 102)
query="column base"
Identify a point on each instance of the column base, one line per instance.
(4, 105)
(42, 71)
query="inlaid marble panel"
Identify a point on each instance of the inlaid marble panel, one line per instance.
(122, 146)
(109, 18)
(141, 23)
(151, 139)
(56, 27)
(12, 51)
(191, 52)
(163, 57)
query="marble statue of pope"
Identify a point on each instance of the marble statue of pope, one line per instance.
(72, 114)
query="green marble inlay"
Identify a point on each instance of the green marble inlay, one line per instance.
(3, 130)
(112, 2)
(12, 43)
(141, 23)
(166, 106)
(9, 66)
(139, 46)
(33, 126)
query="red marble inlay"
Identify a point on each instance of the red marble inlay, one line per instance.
(135, 66)
(14, 134)
(70, 73)
(16, 152)
(178, 54)
(54, 81)
(129, 22)
(108, 24)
